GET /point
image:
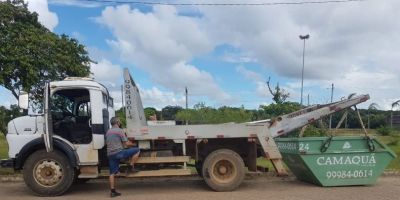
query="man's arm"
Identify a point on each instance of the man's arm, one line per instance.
(125, 142)
(129, 143)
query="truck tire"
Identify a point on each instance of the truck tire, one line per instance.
(48, 173)
(223, 170)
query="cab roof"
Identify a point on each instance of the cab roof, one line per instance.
(82, 82)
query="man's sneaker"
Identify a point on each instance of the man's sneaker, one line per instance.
(115, 194)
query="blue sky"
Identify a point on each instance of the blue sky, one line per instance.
(225, 54)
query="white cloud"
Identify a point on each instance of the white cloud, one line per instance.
(162, 43)
(46, 17)
(160, 34)
(352, 45)
(238, 58)
(111, 75)
(251, 75)
(106, 72)
(376, 83)
(158, 99)
(152, 97)
(261, 89)
(97, 54)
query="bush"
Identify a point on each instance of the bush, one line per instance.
(312, 131)
(384, 130)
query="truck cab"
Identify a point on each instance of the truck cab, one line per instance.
(75, 117)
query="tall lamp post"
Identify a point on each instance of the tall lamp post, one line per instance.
(330, 116)
(304, 38)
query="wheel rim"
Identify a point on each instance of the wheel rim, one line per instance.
(223, 171)
(48, 173)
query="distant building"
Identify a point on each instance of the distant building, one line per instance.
(396, 120)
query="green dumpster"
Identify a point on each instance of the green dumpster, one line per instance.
(335, 161)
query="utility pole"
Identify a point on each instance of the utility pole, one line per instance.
(304, 38)
(330, 116)
(186, 95)
(308, 99)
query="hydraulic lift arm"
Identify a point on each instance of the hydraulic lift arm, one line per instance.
(292, 121)
(289, 122)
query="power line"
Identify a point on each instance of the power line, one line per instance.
(222, 4)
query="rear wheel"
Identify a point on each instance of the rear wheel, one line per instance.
(48, 173)
(223, 170)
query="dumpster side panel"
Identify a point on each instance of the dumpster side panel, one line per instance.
(337, 161)
(347, 168)
(298, 167)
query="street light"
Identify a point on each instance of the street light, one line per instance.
(304, 38)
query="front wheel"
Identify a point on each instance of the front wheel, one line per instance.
(223, 170)
(48, 173)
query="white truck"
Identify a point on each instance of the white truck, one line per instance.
(66, 143)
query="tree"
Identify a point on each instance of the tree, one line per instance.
(279, 95)
(31, 55)
(169, 112)
(149, 111)
(372, 106)
(274, 110)
(6, 115)
(394, 104)
(202, 114)
(121, 115)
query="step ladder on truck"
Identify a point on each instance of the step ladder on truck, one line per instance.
(66, 144)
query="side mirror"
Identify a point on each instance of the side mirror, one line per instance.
(23, 100)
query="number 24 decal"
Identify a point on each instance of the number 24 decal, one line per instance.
(303, 147)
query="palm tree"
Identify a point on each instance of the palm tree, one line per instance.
(394, 104)
(372, 106)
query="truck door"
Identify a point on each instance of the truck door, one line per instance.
(48, 125)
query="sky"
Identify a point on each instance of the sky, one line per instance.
(225, 54)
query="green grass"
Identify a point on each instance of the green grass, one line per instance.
(4, 154)
(265, 163)
(395, 164)
(393, 142)
(3, 147)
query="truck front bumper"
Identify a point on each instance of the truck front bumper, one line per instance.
(7, 163)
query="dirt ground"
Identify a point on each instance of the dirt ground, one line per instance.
(191, 188)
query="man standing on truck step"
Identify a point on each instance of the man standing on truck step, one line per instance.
(117, 150)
